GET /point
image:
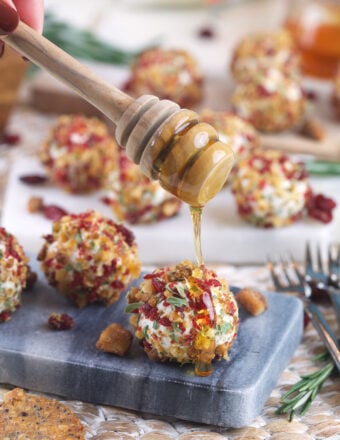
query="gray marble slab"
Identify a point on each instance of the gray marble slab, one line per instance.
(68, 364)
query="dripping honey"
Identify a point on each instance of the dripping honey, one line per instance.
(316, 32)
(196, 216)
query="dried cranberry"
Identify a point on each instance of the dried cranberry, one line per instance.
(60, 321)
(320, 207)
(206, 32)
(165, 321)
(117, 284)
(127, 234)
(262, 91)
(158, 284)
(34, 179)
(322, 216)
(310, 95)
(106, 200)
(53, 212)
(5, 316)
(10, 139)
(324, 203)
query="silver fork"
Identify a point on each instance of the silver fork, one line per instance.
(333, 262)
(327, 277)
(287, 277)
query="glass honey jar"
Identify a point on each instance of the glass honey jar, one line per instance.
(315, 28)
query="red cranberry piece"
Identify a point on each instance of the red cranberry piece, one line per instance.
(54, 212)
(33, 179)
(206, 32)
(10, 139)
(60, 321)
(127, 234)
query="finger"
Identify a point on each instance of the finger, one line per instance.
(31, 12)
(2, 48)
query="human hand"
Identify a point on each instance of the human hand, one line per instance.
(29, 11)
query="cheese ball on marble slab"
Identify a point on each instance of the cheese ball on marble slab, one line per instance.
(89, 258)
(271, 101)
(270, 189)
(13, 274)
(232, 130)
(79, 154)
(135, 198)
(262, 50)
(184, 313)
(169, 74)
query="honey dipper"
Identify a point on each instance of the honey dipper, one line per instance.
(168, 143)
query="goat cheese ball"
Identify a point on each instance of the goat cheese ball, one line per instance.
(184, 313)
(79, 154)
(262, 50)
(271, 101)
(13, 273)
(270, 189)
(135, 198)
(169, 74)
(232, 130)
(89, 258)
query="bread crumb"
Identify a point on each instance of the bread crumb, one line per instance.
(35, 204)
(313, 129)
(252, 301)
(115, 339)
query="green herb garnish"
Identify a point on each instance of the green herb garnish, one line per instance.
(301, 395)
(176, 301)
(78, 237)
(145, 331)
(132, 307)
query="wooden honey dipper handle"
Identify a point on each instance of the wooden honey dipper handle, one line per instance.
(109, 100)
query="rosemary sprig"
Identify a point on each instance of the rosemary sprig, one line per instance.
(301, 395)
(81, 43)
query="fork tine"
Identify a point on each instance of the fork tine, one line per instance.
(276, 280)
(319, 257)
(296, 270)
(308, 258)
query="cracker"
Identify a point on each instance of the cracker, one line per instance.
(25, 417)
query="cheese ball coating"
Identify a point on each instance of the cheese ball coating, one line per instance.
(13, 272)
(79, 154)
(185, 313)
(271, 102)
(169, 74)
(89, 258)
(259, 51)
(270, 189)
(135, 198)
(232, 130)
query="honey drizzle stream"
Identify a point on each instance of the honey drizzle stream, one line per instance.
(196, 216)
(205, 345)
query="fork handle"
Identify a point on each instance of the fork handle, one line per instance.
(335, 297)
(325, 332)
